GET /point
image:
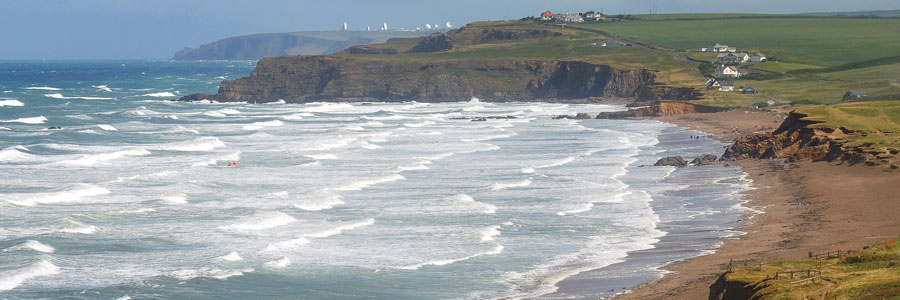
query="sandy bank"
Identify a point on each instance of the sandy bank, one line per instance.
(808, 206)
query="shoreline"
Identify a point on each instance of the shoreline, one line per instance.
(793, 208)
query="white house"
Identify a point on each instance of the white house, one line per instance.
(726, 86)
(573, 18)
(718, 48)
(729, 71)
(758, 57)
(595, 17)
(738, 57)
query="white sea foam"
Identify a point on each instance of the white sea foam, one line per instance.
(416, 165)
(11, 102)
(262, 220)
(489, 233)
(470, 204)
(4, 128)
(509, 185)
(419, 125)
(159, 95)
(286, 245)
(75, 193)
(14, 278)
(487, 138)
(79, 229)
(209, 273)
(198, 145)
(43, 88)
(360, 185)
(557, 163)
(126, 297)
(322, 156)
(107, 127)
(32, 245)
(280, 263)
(320, 200)
(7, 91)
(15, 154)
(340, 229)
(175, 199)
(231, 256)
(261, 125)
(60, 96)
(297, 116)
(102, 88)
(527, 170)
(137, 211)
(443, 262)
(31, 120)
(93, 159)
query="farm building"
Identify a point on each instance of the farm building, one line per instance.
(726, 86)
(739, 57)
(729, 71)
(758, 57)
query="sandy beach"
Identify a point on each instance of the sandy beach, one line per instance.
(801, 207)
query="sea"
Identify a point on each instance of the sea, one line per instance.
(109, 190)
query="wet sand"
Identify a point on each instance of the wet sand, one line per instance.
(804, 207)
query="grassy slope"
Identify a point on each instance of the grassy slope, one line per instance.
(875, 125)
(810, 43)
(868, 274)
(572, 45)
(815, 41)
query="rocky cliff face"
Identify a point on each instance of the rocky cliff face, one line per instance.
(660, 109)
(342, 78)
(467, 36)
(796, 140)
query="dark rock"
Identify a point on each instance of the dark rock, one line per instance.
(579, 116)
(675, 161)
(660, 109)
(197, 97)
(54, 128)
(704, 160)
(299, 79)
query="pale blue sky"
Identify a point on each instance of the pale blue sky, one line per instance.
(56, 29)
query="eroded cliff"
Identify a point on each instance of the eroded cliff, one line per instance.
(797, 139)
(347, 78)
(660, 109)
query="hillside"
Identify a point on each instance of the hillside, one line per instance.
(861, 132)
(868, 274)
(817, 61)
(256, 46)
(494, 61)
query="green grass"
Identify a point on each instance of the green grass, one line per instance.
(813, 41)
(571, 45)
(781, 67)
(869, 274)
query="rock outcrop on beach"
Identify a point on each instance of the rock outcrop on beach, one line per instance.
(297, 79)
(675, 161)
(796, 140)
(578, 116)
(705, 160)
(658, 109)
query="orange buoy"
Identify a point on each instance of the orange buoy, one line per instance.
(234, 164)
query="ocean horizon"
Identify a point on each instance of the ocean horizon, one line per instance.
(111, 191)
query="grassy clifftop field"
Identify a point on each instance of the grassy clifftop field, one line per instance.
(868, 274)
(812, 59)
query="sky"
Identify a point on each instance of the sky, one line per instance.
(155, 29)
